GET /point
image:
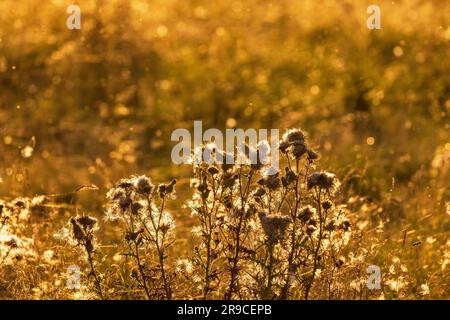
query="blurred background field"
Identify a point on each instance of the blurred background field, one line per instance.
(89, 106)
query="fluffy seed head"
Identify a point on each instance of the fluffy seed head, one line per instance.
(323, 180)
(274, 226)
(143, 185)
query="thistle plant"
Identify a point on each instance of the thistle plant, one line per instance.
(266, 231)
(83, 234)
(306, 198)
(274, 227)
(148, 230)
(237, 225)
(206, 207)
(221, 205)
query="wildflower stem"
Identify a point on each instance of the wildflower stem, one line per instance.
(237, 244)
(319, 243)
(285, 290)
(268, 290)
(141, 271)
(207, 229)
(159, 246)
(94, 273)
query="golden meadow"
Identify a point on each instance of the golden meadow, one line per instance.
(86, 177)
